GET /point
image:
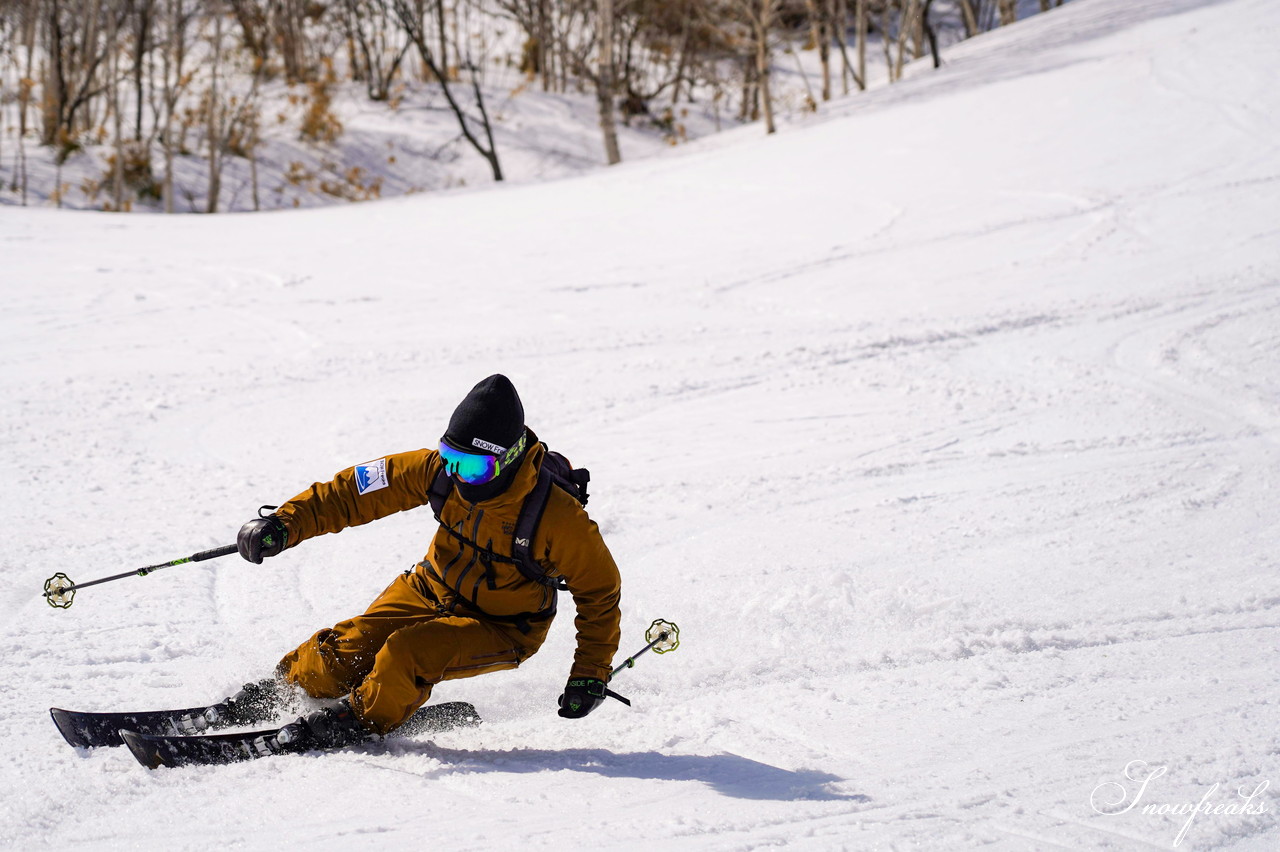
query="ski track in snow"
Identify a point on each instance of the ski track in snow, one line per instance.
(958, 480)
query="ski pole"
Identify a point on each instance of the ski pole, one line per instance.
(60, 590)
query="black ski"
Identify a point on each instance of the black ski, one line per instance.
(256, 702)
(156, 750)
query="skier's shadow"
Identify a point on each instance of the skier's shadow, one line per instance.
(728, 774)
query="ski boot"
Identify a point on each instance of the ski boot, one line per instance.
(331, 727)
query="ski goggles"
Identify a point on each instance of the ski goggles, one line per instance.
(478, 468)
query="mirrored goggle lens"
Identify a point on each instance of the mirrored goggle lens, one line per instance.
(471, 468)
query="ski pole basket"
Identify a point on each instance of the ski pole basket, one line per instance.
(59, 591)
(664, 635)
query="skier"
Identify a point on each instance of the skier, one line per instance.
(467, 608)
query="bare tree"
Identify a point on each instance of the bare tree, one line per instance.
(907, 25)
(930, 34)
(8, 49)
(604, 84)
(969, 17)
(214, 132)
(27, 30)
(379, 46)
(1008, 12)
(289, 31)
(278, 28)
(143, 13)
(840, 30)
(177, 19)
(821, 24)
(411, 14)
(761, 14)
(113, 100)
(255, 30)
(442, 34)
(860, 24)
(75, 48)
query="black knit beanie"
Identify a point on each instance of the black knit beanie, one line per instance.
(490, 419)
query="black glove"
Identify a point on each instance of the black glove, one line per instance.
(260, 538)
(581, 696)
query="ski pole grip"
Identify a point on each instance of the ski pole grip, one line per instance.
(215, 553)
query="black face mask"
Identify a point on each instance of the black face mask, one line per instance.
(492, 488)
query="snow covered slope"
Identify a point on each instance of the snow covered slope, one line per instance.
(948, 430)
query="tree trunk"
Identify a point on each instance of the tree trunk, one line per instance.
(683, 63)
(444, 36)
(824, 46)
(840, 28)
(215, 134)
(55, 82)
(253, 162)
(173, 55)
(142, 32)
(906, 27)
(969, 17)
(930, 34)
(113, 83)
(764, 24)
(886, 43)
(604, 84)
(291, 37)
(917, 33)
(820, 32)
(491, 152)
(22, 167)
(860, 23)
(544, 44)
(12, 41)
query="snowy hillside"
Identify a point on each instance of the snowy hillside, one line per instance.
(947, 429)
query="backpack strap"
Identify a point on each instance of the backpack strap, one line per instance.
(438, 493)
(531, 512)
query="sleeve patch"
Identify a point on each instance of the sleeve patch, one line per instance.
(371, 476)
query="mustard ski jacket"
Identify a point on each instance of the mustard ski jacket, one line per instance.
(567, 544)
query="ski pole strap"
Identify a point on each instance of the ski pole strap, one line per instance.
(612, 694)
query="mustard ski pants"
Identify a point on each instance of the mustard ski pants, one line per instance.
(390, 657)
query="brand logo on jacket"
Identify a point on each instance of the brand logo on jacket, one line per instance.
(371, 476)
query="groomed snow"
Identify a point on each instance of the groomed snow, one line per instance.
(946, 428)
